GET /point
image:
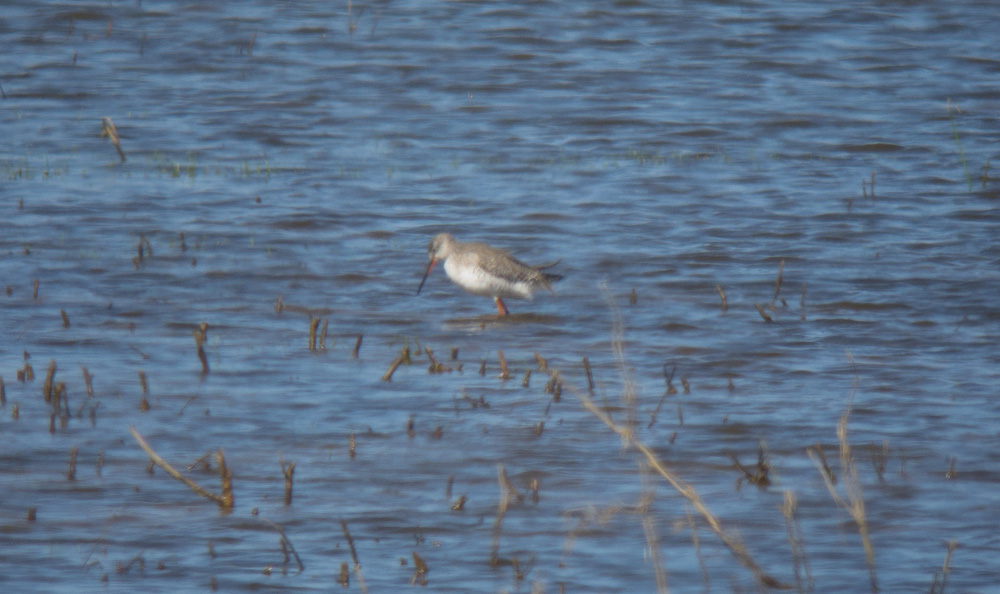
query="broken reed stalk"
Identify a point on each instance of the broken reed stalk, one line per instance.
(226, 477)
(144, 403)
(357, 346)
(763, 314)
(419, 571)
(108, 129)
(354, 556)
(722, 295)
(48, 385)
(590, 376)
(3, 393)
(87, 381)
(65, 318)
(777, 283)
(71, 474)
(313, 327)
(322, 335)
(225, 500)
(400, 359)
(731, 542)
(200, 336)
(288, 471)
(504, 373)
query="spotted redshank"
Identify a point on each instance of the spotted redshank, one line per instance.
(485, 270)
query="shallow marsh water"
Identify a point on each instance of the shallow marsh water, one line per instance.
(309, 152)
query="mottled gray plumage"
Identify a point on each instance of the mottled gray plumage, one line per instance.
(485, 270)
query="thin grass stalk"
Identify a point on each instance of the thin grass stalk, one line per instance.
(156, 459)
(958, 142)
(649, 529)
(627, 435)
(852, 484)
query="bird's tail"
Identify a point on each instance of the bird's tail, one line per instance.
(548, 278)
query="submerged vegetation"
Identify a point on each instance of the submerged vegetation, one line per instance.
(624, 419)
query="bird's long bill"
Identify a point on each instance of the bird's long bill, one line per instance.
(426, 274)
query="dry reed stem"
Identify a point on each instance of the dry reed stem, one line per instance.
(777, 283)
(733, 543)
(763, 314)
(852, 484)
(649, 530)
(696, 542)
(400, 359)
(357, 346)
(313, 326)
(936, 586)
(722, 295)
(65, 318)
(156, 459)
(629, 390)
(504, 372)
(3, 393)
(108, 129)
(200, 337)
(286, 545)
(48, 385)
(799, 558)
(87, 381)
(590, 376)
(627, 434)
(71, 474)
(288, 471)
(434, 367)
(420, 571)
(508, 493)
(354, 556)
(143, 383)
(226, 477)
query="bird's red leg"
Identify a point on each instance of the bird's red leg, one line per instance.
(501, 308)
